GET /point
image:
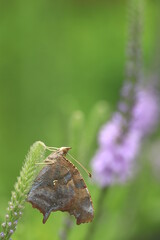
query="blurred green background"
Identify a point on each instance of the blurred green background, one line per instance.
(58, 57)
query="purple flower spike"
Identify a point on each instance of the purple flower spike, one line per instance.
(111, 131)
(102, 166)
(130, 145)
(138, 113)
(9, 224)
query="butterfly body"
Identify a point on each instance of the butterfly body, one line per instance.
(60, 186)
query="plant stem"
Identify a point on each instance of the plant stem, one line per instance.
(99, 212)
(67, 226)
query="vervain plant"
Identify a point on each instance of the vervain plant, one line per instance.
(21, 188)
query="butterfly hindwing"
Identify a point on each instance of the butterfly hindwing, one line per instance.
(82, 207)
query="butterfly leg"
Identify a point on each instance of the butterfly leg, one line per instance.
(45, 163)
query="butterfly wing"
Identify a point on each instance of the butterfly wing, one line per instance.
(60, 186)
(82, 207)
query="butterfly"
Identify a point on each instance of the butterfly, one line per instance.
(60, 186)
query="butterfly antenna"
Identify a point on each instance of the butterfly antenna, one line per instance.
(89, 174)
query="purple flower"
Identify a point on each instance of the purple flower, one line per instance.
(113, 164)
(103, 167)
(130, 144)
(145, 113)
(9, 224)
(2, 234)
(111, 131)
(11, 231)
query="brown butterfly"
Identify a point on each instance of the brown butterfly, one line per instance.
(60, 186)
